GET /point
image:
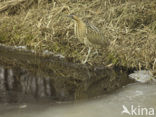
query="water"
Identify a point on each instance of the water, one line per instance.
(110, 105)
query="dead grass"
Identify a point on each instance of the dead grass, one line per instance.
(129, 25)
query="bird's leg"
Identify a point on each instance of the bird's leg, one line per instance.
(89, 50)
(83, 50)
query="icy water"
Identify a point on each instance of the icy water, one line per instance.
(135, 96)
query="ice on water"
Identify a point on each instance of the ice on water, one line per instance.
(142, 76)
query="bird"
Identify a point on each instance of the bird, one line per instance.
(87, 34)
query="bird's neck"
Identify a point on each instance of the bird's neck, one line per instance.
(80, 23)
(77, 19)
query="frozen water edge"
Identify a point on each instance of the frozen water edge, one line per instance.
(136, 94)
(143, 76)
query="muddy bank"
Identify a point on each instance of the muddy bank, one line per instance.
(26, 73)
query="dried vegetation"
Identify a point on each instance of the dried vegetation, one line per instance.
(129, 25)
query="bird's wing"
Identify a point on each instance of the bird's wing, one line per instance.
(92, 27)
(94, 35)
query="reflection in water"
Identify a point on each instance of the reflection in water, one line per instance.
(16, 84)
(142, 95)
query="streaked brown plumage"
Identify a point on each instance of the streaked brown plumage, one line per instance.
(87, 34)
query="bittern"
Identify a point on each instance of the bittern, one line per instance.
(87, 34)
